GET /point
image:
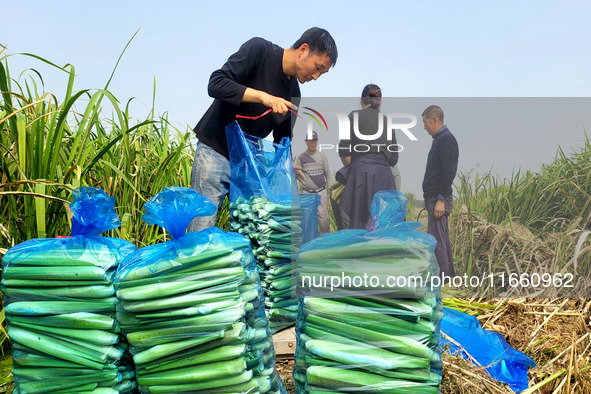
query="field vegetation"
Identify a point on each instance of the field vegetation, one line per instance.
(534, 222)
(540, 221)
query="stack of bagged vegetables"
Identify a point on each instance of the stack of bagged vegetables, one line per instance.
(192, 308)
(269, 228)
(60, 305)
(264, 206)
(372, 334)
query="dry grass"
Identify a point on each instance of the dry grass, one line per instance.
(510, 248)
(545, 330)
(554, 331)
(460, 376)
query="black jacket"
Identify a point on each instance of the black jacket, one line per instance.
(368, 124)
(442, 165)
(258, 65)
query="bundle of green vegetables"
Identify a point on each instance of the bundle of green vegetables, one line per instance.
(264, 206)
(275, 235)
(378, 335)
(60, 306)
(192, 308)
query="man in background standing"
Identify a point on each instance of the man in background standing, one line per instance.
(317, 178)
(442, 165)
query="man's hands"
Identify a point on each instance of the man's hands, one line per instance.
(277, 104)
(439, 209)
(299, 173)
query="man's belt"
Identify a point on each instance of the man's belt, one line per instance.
(315, 190)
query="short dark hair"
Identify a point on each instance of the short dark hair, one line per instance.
(433, 111)
(320, 42)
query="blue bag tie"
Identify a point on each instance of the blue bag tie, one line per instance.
(93, 212)
(175, 207)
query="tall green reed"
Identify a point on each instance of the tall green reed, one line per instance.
(51, 143)
(549, 200)
(50, 146)
(531, 220)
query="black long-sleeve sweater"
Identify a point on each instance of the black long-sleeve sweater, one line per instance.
(442, 165)
(258, 64)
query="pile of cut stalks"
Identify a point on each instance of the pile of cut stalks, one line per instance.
(555, 333)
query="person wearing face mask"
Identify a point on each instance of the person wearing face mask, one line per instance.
(367, 162)
(259, 87)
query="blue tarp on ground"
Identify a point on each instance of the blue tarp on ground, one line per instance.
(488, 348)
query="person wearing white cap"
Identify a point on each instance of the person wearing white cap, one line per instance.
(318, 178)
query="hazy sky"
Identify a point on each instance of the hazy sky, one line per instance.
(425, 49)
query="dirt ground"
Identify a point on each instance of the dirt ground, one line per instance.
(285, 368)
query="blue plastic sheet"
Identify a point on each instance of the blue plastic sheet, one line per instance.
(93, 213)
(388, 208)
(488, 348)
(265, 207)
(411, 250)
(175, 207)
(310, 203)
(260, 167)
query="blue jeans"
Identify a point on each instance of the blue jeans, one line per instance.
(210, 177)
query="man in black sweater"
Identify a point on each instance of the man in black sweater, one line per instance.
(442, 164)
(260, 77)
